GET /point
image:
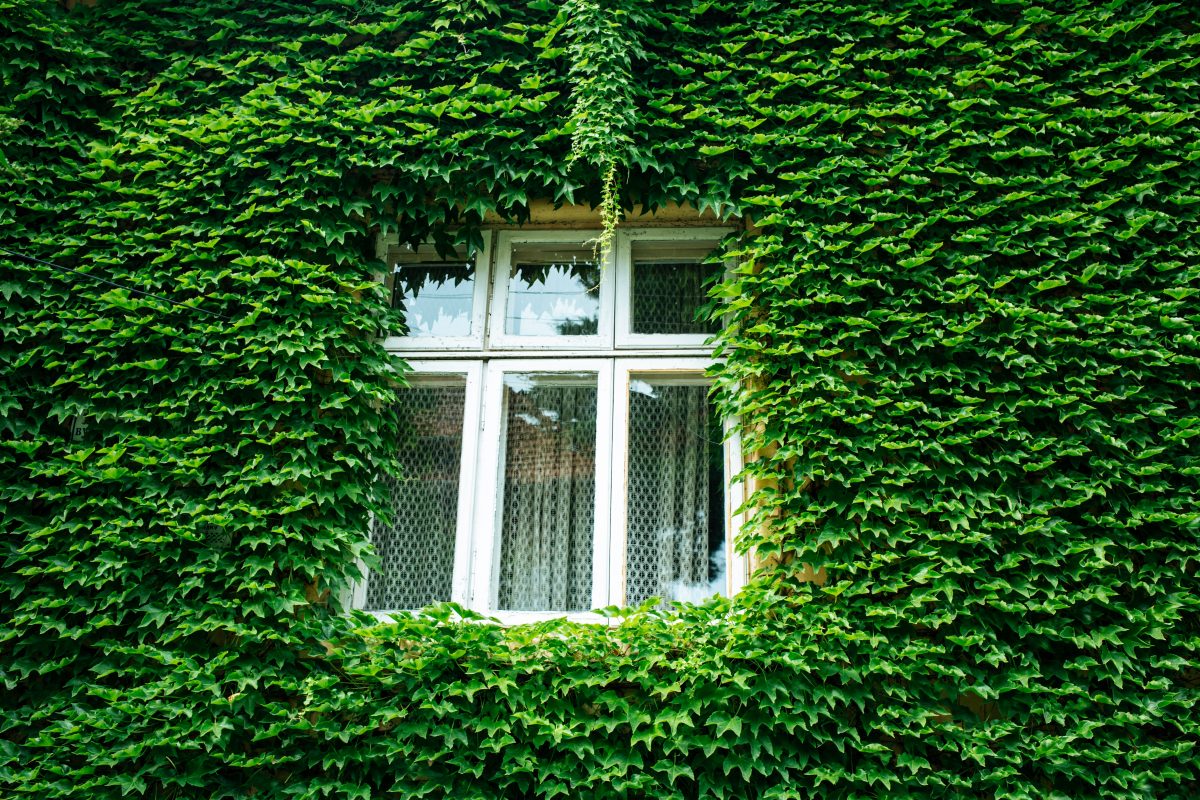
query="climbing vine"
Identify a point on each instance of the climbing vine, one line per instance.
(604, 43)
(960, 339)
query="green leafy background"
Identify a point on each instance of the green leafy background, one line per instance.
(964, 345)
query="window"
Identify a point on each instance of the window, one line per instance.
(559, 448)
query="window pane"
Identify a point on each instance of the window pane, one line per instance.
(553, 291)
(435, 296)
(676, 517)
(549, 492)
(415, 542)
(669, 287)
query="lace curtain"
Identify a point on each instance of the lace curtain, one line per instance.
(415, 540)
(674, 532)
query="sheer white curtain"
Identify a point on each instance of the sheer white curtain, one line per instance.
(549, 498)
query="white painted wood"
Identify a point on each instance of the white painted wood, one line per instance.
(711, 232)
(602, 541)
(485, 530)
(490, 480)
(554, 354)
(467, 481)
(528, 617)
(618, 502)
(425, 373)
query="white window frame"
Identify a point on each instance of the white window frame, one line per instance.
(425, 373)
(488, 517)
(738, 570)
(687, 372)
(625, 337)
(615, 355)
(498, 339)
(483, 261)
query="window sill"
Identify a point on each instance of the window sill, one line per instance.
(509, 618)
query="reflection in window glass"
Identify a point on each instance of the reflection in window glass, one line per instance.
(436, 297)
(415, 541)
(676, 499)
(670, 284)
(549, 492)
(553, 291)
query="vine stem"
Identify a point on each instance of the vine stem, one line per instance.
(610, 210)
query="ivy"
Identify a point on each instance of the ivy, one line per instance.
(604, 43)
(961, 340)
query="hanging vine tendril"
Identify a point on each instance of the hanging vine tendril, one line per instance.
(603, 45)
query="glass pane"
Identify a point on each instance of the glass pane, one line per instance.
(676, 517)
(669, 287)
(549, 492)
(553, 291)
(435, 296)
(415, 541)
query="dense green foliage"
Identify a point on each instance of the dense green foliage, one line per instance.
(964, 342)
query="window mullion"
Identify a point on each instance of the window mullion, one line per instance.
(735, 516)
(619, 471)
(485, 530)
(605, 488)
(468, 475)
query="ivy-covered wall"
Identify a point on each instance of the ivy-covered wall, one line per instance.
(964, 346)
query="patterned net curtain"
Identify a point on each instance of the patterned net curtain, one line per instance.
(415, 541)
(675, 528)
